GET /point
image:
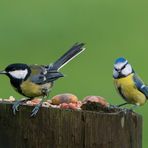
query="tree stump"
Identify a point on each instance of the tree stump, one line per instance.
(57, 128)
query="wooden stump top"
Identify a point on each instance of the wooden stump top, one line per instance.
(57, 128)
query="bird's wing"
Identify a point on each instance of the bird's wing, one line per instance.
(140, 85)
(41, 75)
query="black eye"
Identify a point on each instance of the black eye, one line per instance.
(13, 69)
(116, 69)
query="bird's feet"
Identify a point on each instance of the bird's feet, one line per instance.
(113, 107)
(135, 106)
(119, 109)
(15, 106)
(36, 109)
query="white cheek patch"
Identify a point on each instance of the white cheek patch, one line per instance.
(127, 70)
(115, 74)
(19, 74)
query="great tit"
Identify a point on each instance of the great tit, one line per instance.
(129, 85)
(37, 80)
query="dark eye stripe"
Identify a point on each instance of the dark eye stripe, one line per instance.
(124, 66)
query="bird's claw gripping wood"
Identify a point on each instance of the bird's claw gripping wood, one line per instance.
(113, 107)
(36, 109)
(134, 107)
(15, 107)
(126, 110)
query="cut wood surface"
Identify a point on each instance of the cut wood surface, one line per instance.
(57, 128)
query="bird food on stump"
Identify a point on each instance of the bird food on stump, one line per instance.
(65, 128)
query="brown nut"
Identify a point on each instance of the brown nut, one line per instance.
(96, 99)
(49, 101)
(64, 106)
(73, 106)
(36, 100)
(33, 102)
(64, 98)
(79, 104)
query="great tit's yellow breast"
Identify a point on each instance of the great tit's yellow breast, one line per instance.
(31, 89)
(129, 90)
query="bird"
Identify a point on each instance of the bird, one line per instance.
(37, 80)
(128, 84)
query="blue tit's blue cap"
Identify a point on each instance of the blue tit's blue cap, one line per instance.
(120, 60)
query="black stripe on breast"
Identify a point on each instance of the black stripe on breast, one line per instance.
(120, 91)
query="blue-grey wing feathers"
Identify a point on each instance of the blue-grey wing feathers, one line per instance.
(140, 85)
(41, 75)
(49, 77)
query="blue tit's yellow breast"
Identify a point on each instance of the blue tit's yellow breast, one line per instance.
(129, 90)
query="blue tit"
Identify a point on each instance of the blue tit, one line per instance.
(37, 80)
(131, 88)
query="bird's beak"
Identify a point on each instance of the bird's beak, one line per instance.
(3, 72)
(119, 71)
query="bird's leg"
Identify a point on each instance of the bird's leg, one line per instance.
(45, 92)
(131, 108)
(113, 106)
(135, 106)
(37, 107)
(122, 104)
(17, 104)
(125, 110)
(117, 106)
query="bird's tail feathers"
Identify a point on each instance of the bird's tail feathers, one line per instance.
(75, 50)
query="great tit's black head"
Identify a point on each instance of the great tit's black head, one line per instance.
(16, 71)
(122, 68)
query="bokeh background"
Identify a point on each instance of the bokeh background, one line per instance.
(39, 31)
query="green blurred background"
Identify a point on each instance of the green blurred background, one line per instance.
(39, 31)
